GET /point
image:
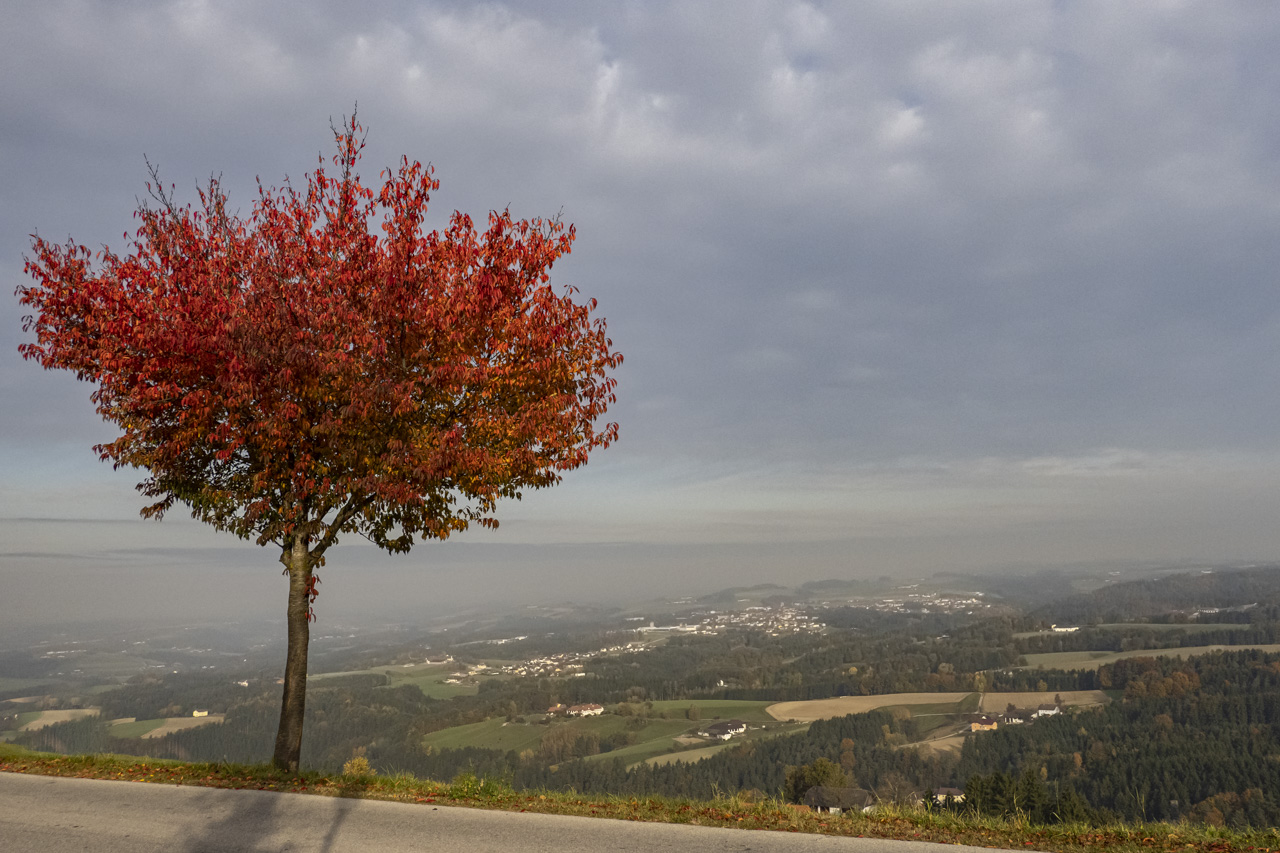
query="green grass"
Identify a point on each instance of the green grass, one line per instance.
(699, 753)
(491, 734)
(107, 665)
(14, 685)
(1095, 659)
(1190, 627)
(689, 756)
(138, 728)
(656, 738)
(724, 709)
(431, 686)
(427, 678)
(28, 717)
(732, 811)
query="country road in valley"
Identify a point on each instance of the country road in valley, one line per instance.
(41, 814)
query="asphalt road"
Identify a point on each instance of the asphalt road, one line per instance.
(41, 814)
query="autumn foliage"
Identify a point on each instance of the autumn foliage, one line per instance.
(294, 373)
(327, 365)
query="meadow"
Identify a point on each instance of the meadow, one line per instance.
(1095, 659)
(428, 678)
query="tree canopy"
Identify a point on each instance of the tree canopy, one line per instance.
(296, 375)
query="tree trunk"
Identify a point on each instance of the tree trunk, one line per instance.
(289, 736)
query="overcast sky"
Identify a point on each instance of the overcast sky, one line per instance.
(902, 286)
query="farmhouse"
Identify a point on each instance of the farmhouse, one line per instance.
(723, 731)
(1046, 711)
(588, 710)
(983, 724)
(199, 713)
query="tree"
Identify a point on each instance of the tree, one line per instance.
(294, 376)
(820, 771)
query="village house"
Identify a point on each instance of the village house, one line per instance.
(723, 730)
(983, 724)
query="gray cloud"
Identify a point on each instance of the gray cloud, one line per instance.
(837, 243)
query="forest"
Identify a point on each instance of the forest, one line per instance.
(1195, 739)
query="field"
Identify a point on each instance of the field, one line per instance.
(657, 738)
(177, 724)
(128, 727)
(1190, 627)
(1161, 627)
(951, 743)
(653, 739)
(425, 677)
(689, 756)
(941, 705)
(15, 685)
(491, 734)
(723, 709)
(32, 720)
(825, 709)
(1093, 660)
(998, 702)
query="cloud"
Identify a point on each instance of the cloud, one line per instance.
(1001, 237)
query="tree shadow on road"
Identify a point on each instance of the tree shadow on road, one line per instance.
(265, 822)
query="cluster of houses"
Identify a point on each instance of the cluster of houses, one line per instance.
(776, 621)
(590, 709)
(723, 730)
(1016, 716)
(926, 602)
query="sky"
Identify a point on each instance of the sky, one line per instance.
(902, 287)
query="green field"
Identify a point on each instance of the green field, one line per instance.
(936, 715)
(138, 728)
(1190, 627)
(491, 734)
(109, 665)
(688, 756)
(425, 677)
(28, 717)
(14, 685)
(692, 755)
(1093, 660)
(655, 738)
(712, 709)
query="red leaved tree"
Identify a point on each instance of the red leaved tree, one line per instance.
(295, 375)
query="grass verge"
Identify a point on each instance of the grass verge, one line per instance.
(738, 812)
